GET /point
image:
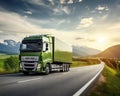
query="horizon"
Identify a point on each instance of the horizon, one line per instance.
(77, 22)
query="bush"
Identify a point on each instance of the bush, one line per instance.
(11, 63)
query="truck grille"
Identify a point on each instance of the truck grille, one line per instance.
(30, 66)
(29, 69)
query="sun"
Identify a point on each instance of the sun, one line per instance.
(101, 40)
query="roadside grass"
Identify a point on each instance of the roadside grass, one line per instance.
(3, 59)
(111, 84)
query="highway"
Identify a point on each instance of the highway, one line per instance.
(55, 84)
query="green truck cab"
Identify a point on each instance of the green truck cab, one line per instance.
(44, 53)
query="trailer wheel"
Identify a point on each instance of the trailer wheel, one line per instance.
(67, 67)
(47, 69)
(62, 68)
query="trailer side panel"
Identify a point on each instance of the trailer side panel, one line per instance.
(62, 51)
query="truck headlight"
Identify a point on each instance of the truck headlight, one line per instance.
(20, 65)
(39, 66)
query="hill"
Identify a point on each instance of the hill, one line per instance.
(111, 52)
(84, 51)
(9, 47)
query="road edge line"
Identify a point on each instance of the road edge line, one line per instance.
(80, 91)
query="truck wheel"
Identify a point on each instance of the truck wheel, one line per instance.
(50, 68)
(26, 73)
(64, 67)
(47, 69)
(67, 67)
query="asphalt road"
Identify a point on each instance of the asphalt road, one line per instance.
(55, 84)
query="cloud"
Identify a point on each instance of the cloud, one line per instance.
(28, 12)
(104, 17)
(57, 11)
(116, 39)
(115, 26)
(41, 3)
(85, 39)
(60, 10)
(15, 23)
(36, 2)
(52, 2)
(62, 1)
(66, 10)
(80, 0)
(79, 38)
(91, 40)
(85, 22)
(61, 21)
(14, 26)
(56, 7)
(101, 8)
(1, 31)
(70, 2)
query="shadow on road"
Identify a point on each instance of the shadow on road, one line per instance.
(28, 75)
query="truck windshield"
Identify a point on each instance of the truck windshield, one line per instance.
(31, 46)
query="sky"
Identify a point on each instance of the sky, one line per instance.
(90, 23)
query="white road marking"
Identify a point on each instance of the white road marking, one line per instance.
(22, 81)
(80, 91)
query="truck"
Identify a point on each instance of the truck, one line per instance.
(44, 54)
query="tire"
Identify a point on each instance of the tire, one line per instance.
(47, 69)
(50, 68)
(63, 68)
(67, 67)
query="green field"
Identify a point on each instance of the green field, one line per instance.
(78, 63)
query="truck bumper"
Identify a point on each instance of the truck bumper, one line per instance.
(26, 67)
